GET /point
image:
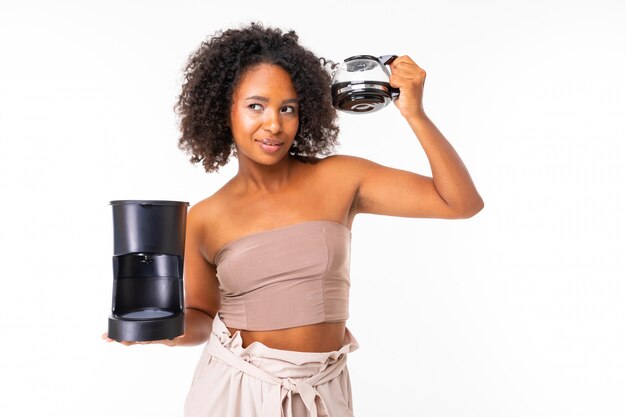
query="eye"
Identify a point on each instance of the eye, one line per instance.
(288, 109)
(255, 106)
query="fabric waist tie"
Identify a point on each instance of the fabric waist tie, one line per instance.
(283, 387)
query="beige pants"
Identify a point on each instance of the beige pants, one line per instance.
(258, 381)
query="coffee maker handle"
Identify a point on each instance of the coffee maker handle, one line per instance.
(387, 60)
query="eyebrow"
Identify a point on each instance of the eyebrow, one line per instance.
(265, 99)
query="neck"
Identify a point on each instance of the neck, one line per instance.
(256, 177)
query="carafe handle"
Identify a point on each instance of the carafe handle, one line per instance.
(387, 60)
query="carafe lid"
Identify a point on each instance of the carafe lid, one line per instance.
(361, 68)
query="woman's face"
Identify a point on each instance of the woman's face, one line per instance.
(264, 114)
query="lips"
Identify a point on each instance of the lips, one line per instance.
(269, 145)
(270, 142)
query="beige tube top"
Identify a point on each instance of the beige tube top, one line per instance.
(285, 277)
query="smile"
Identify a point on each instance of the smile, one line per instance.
(269, 145)
(270, 142)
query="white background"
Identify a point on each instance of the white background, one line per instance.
(519, 311)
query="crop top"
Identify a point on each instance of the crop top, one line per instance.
(285, 277)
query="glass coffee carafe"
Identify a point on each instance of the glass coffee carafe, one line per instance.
(361, 84)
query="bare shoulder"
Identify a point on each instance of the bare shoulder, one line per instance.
(207, 210)
(205, 216)
(350, 170)
(339, 160)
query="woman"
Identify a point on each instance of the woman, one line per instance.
(269, 251)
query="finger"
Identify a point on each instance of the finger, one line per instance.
(398, 81)
(416, 77)
(105, 336)
(395, 81)
(403, 59)
(408, 71)
(406, 67)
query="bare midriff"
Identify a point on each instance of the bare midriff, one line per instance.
(321, 337)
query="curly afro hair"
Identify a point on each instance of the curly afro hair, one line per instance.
(211, 76)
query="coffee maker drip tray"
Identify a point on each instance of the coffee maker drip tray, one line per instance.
(147, 297)
(146, 314)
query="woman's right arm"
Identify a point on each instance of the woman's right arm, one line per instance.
(202, 295)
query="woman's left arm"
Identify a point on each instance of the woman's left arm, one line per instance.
(450, 193)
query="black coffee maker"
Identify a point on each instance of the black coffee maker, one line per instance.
(149, 246)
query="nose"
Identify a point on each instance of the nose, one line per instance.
(272, 122)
